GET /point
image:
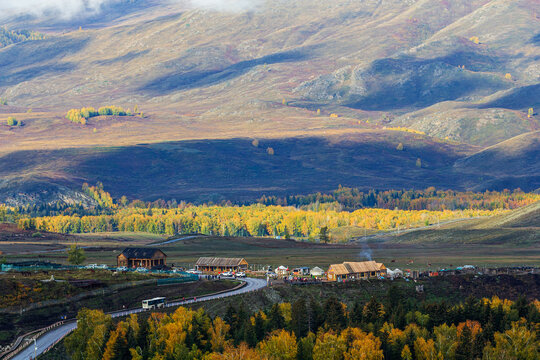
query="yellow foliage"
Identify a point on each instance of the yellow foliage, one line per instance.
(474, 39)
(281, 345)
(334, 115)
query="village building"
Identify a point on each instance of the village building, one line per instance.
(301, 271)
(216, 264)
(355, 271)
(316, 271)
(282, 271)
(141, 257)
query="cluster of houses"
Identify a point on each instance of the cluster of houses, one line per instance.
(347, 271)
(152, 258)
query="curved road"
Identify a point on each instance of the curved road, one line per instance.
(51, 337)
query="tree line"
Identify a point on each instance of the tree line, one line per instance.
(428, 199)
(342, 199)
(397, 329)
(252, 220)
(8, 37)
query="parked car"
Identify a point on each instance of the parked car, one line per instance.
(240, 274)
(141, 270)
(227, 274)
(194, 271)
(122, 268)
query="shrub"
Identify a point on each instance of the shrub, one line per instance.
(11, 121)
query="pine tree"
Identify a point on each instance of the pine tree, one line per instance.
(299, 318)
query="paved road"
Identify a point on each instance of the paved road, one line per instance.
(58, 333)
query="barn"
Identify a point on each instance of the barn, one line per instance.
(141, 257)
(217, 264)
(355, 271)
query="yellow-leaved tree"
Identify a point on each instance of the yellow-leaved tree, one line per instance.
(281, 345)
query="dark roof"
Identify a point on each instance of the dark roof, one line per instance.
(140, 253)
(211, 261)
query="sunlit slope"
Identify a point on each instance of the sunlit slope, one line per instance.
(369, 60)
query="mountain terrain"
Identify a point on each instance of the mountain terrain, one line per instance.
(326, 90)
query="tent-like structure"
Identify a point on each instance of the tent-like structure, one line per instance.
(316, 271)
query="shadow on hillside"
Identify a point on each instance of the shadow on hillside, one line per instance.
(518, 99)
(28, 60)
(201, 78)
(122, 59)
(207, 170)
(536, 39)
(396, 83)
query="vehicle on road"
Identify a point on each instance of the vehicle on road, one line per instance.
(240, 274)
(157, 302)
(227, 274)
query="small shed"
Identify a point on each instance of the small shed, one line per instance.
(316, 271)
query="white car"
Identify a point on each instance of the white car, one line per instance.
(141, 270)
(91, 266)
(194, 271)
(240, 274)
(122, 268)
(102, 266)
(227, 274)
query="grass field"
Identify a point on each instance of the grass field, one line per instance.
(261, 251)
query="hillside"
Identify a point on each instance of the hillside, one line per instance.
(322, 83)
(520, 227)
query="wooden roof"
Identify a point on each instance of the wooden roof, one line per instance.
(356, 267)
(141, 253)
(220, 262)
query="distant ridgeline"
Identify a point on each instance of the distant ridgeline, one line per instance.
(8, 37)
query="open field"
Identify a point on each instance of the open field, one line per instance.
(265, 251)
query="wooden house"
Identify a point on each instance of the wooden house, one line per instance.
(216, 264)
(141, 257)
(355, 271)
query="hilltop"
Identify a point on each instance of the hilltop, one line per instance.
(331, 87)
